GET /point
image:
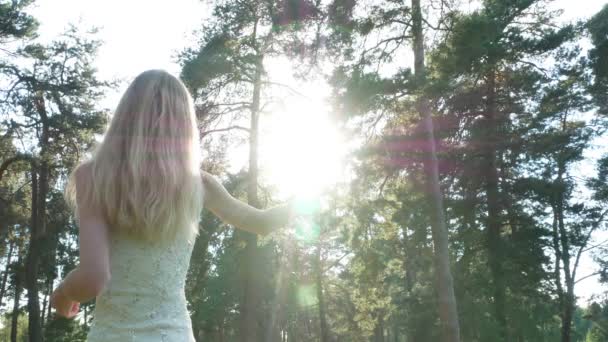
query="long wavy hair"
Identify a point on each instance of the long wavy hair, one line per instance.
(146, 170)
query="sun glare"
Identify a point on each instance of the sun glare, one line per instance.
(301, 150)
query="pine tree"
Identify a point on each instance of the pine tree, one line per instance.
(55, 96)
(491, 66)
(392, 103)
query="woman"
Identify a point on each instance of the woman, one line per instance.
(137, 202)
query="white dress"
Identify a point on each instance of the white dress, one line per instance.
(145, 300)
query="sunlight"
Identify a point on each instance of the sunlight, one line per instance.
(301, 149)
(306, 296)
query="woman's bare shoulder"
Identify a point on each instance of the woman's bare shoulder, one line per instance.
(84, 173)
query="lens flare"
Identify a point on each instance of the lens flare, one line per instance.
(307, 231)
(307, 206)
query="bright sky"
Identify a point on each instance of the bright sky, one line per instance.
(138, 34)
(145, 34)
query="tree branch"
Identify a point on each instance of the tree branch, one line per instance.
(335, 263)
(398, 39)
(291, 89)
(585, 241)
(595, 246)
(226, 129)
(587, 276)
(541, 69)
(14, 159)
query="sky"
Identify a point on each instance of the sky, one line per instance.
(137, 34)
(145, 34)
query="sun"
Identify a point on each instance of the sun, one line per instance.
(301, 149)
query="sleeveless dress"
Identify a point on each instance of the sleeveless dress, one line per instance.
(145, 299)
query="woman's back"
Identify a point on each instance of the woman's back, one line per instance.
(145, 299)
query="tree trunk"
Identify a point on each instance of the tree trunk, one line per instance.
(494, 242)
(43, 310)
(40, 187)
(318, 271)
(379, 331)
(558, 256)
(6, 272)
(444, 282)
(32, 262)
(48, 308)
(568, 299)
(18, 289)
(51, 273)
(395, 334)
(292, 306)
(31, 283)
(46, 300)
(221, 337)
(251, 321)
(411, 269)
(277, 324)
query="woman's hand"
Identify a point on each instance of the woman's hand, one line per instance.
(63, 305)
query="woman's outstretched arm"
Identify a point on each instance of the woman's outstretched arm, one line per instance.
(240, 214)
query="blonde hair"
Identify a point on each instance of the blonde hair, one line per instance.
(145, 174)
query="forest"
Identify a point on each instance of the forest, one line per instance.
(472, 203)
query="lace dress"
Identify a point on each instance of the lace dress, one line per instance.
(145, 299)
